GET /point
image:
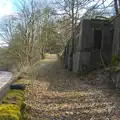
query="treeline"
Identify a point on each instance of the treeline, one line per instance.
(28, 34)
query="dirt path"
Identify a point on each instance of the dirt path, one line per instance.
(60, 95)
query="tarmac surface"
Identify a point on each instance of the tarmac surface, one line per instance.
(5, 77)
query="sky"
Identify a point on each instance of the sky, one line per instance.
(7, 7)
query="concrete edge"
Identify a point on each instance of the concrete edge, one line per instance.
(5, 88)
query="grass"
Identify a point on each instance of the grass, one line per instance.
(19, 82)
(47, 55)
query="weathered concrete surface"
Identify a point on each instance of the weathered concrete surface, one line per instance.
(116, 79)
(116, 41)
(5, 80)
(69, 62)
(86, 53)
(85, 35)
(81, 59)
(107, 41)
(66, 56)
(89, 55)
(116, 47)
(76, 60)
(95, 60)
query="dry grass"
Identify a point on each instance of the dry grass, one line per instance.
(60, 95)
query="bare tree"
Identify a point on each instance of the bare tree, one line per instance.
(72, 9)
(29, 25)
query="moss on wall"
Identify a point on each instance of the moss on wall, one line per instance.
(115, 59)
(9, 112)
(12, 105)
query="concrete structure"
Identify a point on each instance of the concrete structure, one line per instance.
(116, 41)
(107, 41)
(116, 47)
(95, 41)
(5, 81)
(87, 45)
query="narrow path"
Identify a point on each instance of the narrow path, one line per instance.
(60, 95)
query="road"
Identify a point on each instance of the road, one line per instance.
(5, 77)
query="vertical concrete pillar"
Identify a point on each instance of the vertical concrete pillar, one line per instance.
(116, 40)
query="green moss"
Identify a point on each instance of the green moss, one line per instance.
(9, 112)
(115, 59)
(14, 97)
(21, 81)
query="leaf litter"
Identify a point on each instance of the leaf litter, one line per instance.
(60, 95)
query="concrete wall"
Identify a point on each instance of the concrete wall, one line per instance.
(70, 55)
(116, 42)
(107, 41)
(66, 56)
(84, 36)
(85, 57)
(76, 59)
(116, 47)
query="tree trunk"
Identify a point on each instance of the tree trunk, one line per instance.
(42, 53)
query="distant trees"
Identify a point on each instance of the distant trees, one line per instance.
(30, 33)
